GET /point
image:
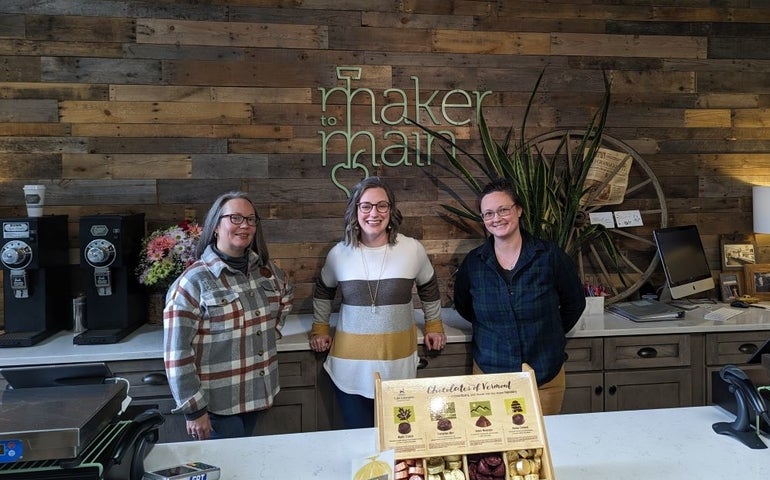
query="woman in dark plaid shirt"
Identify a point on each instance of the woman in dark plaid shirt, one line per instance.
(521, 294)
(221, 322)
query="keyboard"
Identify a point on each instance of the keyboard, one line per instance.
(722, 314)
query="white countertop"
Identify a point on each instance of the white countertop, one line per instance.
(147, 341)
(660, 444)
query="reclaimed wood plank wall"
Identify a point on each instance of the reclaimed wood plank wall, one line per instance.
(158, 107)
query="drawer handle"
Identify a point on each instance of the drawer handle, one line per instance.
(647, 352)
(748, 348)
(423, 363)
(155, 379)
(598, 390)
(613, 390)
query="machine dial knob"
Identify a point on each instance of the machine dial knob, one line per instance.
(16, 254)
(100, 253)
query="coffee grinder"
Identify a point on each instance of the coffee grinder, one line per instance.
(35, 258)
(110, 245)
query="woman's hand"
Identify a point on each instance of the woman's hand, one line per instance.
(200, 428)
(434, 341)
(320, 343)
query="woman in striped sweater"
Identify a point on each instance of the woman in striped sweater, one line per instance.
(375, 268)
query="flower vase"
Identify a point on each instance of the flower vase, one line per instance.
(155, 303)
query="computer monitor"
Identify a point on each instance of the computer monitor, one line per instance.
(684, 261)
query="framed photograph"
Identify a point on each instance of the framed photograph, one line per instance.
(737, 250)
(730, 285)
(757, 277)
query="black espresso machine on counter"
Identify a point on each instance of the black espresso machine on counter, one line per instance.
(64, 422)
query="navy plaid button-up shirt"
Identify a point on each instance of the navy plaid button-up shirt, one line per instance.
(521, 317)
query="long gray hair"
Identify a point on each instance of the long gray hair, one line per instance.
(258, 245)
(352, 229)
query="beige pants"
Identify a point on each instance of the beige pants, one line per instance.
(551, 394)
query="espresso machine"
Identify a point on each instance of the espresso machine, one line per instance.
(116, 304)
(35, 258)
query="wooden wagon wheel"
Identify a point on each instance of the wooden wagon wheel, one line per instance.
(638, 253)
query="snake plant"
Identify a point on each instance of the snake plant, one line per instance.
(551, 184)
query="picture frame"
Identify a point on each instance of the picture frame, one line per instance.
(737, 250)
(730, 285)
(757, 280)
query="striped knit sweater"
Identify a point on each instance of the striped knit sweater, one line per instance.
(376, 331)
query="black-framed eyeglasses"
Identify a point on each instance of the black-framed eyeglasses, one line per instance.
(237, 219)
(500, 212)
(366, 207)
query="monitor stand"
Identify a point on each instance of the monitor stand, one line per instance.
(665, 297)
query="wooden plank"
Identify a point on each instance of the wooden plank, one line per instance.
(181, 32)
(58, 91)
(707, 118)
(296, 14)
(417, 20)
(30, 166)
(154, 112)
(627, 45)
(197, 191)
(152, 130)
(168, 145)
(230, 166)
(658, 83)
(247, 74)
(74, 49)
(42, 145)
(165, 93)
(149, 166)
(268, 95)
(18, 69)
(253, 131)
(89, 192)
(99, 70)
(35, 129)
(160, 93)
(31, 110)
(495, 43)
(379, 39)
(11, 26)
(60, 28)
(751, 118)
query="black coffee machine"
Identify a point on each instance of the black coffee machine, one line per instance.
(116, 304)
(35, 258)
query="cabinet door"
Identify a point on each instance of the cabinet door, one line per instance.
(584, 393)
(454, 359)
(294, 411)
(645, 389)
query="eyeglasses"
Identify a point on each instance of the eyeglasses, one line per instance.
(366, 207)
(500, 212)
(237, 219)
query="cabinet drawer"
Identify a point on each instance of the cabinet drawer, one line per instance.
(584, 354)
(735, 347)
(647, 351)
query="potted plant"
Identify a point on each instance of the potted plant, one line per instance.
(554, 193)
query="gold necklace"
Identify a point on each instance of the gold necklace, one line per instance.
(373, 296)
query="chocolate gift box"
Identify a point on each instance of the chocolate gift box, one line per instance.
(493, 423)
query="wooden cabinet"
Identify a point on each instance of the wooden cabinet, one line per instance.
(735, 348)
(632, 372)
(293, 411)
